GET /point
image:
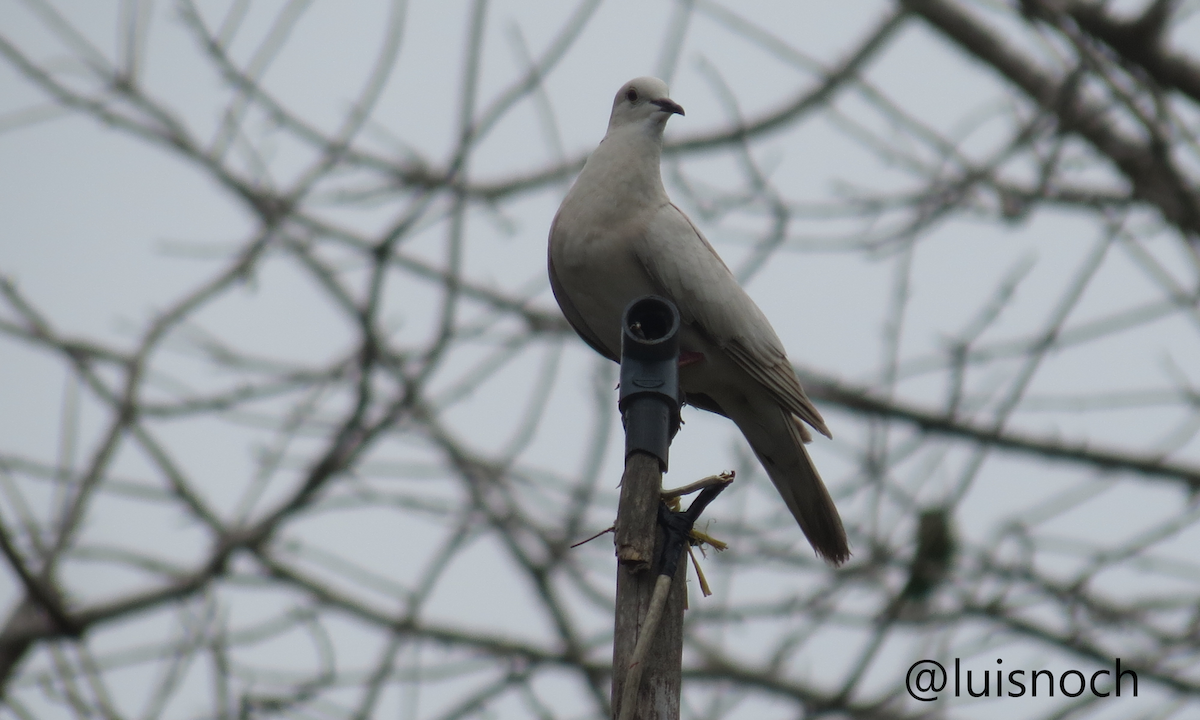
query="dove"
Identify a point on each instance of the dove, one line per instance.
(617, 237)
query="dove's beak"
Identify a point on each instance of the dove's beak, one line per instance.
(669, 106)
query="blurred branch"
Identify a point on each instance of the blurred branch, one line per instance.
(1152, 173)
(363, 407)
(1141, 41)
(863, 401)
(42, 594)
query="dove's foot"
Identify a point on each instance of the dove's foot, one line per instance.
(689, 357)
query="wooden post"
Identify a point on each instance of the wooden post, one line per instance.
(661, 680)
(649, 403)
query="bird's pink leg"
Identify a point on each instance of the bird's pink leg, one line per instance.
(689, 357)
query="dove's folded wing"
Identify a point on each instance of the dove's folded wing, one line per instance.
(688, 270)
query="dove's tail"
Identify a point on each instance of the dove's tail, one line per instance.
(778, 440)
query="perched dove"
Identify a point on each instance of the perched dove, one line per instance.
(617, 236)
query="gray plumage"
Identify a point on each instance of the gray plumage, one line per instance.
(617, 236)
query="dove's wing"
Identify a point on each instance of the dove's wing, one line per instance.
(688, 270)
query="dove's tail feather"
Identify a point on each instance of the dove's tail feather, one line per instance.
(778, 440)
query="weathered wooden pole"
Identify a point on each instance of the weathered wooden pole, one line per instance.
(649, 401)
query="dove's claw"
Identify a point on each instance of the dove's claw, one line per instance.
(689, 357)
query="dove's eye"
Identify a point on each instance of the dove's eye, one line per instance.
(631, 95)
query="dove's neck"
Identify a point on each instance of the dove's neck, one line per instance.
(624, 169)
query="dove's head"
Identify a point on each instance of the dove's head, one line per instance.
(643, 101)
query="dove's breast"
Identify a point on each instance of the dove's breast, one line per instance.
(600, 273)
(594, 238)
